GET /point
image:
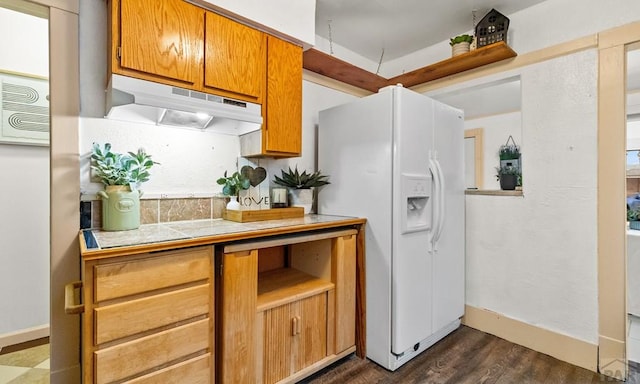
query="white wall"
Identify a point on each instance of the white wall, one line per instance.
(537, 260)
(292, 18)
(24, 196)
(314, 99)
(190, 160)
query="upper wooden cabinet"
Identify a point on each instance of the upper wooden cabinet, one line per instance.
(234, 58)
(177, 43)
(284, 99)
(158, 40)
(281, 134)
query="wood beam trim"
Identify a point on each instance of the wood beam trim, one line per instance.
(332, 67)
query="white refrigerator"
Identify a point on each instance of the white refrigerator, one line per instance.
(396, 158)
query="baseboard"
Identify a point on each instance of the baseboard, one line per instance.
(24, 335)
(562, 347)
(70, 375)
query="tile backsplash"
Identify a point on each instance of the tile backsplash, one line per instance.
(154, 211)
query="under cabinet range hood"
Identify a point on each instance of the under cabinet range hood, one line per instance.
(136, 100)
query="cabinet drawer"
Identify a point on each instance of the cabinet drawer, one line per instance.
(194, 371)
(140, 355)
(158, 271)
(135, 316)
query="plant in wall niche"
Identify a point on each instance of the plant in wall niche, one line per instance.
(300, 184)
(633, 217)
(510, 163)
(121, 174)
(509, 177)
(232, 185)
(509, 151)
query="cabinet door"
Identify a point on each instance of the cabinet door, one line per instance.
(279, 327)
(310, 343)
(295, 337)
(237, 311)
(283, 130)
(162, 39)
(235, 58)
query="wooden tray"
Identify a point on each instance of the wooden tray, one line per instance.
(262, 214)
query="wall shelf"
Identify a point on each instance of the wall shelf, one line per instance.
(493, 192)
(330, 66)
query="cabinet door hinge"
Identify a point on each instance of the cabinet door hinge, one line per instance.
(119, 53)
(221, 267)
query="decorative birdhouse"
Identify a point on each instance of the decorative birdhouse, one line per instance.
(492, 28)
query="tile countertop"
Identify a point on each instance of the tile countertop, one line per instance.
(152, 237)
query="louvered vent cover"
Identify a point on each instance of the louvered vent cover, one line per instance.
(25, 108)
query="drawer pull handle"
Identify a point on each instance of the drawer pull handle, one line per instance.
(70, 305)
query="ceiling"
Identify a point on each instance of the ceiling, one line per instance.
(400, 27)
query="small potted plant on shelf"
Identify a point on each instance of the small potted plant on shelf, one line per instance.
(300, 186)
(509, 177)
(633, 217)
(460, 44)
(510, 156)
(121, 175)
(232, 185)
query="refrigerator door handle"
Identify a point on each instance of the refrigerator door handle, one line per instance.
(441, 204)
(435, 203)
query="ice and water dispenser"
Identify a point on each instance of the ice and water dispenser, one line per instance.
(416, 203)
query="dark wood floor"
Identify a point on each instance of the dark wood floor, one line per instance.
(466, 356)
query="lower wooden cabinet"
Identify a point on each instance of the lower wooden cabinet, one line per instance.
(286, 307)
(149, 318)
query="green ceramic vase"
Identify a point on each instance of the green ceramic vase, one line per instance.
(120, 208)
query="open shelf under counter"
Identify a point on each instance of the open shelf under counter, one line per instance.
(285, 285)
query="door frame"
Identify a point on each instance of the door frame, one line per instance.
(64, 187)
(612, 267)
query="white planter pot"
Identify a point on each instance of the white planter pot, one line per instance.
(302, 198)
(233, 203)
(460, 48)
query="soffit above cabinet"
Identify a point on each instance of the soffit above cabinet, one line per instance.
(290, 20)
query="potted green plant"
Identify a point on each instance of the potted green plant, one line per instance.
(509, 152)
(460, 44)
(508, 176)
(300, 186)
(633, 217)
(510, 155)
(231, 186)
(121, 175)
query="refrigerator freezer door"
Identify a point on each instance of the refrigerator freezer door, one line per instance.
(411, 289)
(355, 149)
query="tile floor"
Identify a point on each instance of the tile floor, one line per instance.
(26, 366)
